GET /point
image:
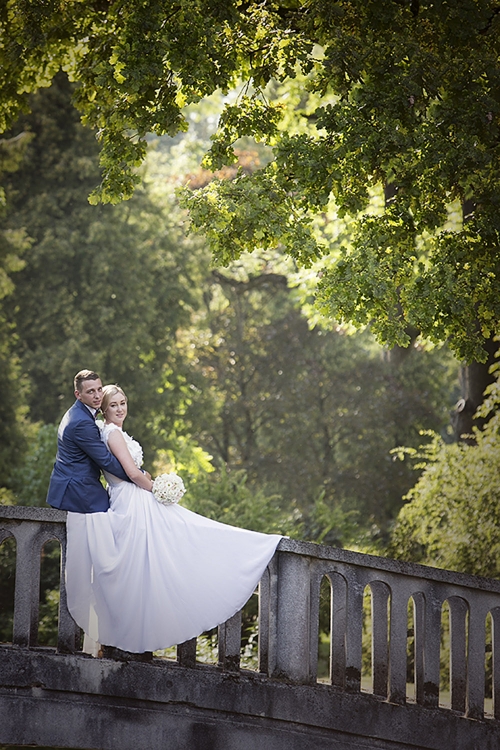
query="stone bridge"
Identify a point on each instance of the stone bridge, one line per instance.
(60, 697)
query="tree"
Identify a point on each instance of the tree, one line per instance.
(452, 517)
(31, 480)
(104, 287)
(408, 100)
(308, 413)
(13, 425)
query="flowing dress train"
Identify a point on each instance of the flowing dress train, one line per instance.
(144, 576)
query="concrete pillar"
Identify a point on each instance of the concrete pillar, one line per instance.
(397, 645)
(230, 643)
(354, 634)
(338, 629)
(26, 602)
(380, 594)
(475, 663)
(432, 648)
(293, 657)
(458, 652)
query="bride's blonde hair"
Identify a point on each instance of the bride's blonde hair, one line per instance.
(107, 394)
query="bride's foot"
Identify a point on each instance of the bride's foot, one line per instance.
(111, 652)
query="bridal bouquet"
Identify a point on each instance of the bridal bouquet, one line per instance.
(168, 488)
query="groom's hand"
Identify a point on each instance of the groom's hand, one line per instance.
(147, 474)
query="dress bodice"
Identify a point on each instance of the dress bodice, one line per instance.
(134, 448)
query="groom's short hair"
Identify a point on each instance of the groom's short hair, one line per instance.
(83, 375)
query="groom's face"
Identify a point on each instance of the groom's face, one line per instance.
(91, 393)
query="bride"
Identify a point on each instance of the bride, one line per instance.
(145, 576)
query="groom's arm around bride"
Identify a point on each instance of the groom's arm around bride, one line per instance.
(75, 481)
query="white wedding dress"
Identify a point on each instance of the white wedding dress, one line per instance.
(144, 576)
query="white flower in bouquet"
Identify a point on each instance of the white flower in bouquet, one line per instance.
(168, 488)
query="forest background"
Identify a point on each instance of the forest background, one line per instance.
(279, 415)
(232, 376)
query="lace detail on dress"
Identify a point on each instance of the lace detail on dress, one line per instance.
(134, 448)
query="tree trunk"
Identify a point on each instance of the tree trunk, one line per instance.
(474, 379)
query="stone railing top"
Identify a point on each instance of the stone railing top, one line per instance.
(415, 570)
(28, 513)
(307, 549)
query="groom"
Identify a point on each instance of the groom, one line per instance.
(75, 481)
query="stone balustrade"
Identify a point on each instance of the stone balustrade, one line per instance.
(289, 605)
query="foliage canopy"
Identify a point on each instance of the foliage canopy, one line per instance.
(216, 364)
(405, 97)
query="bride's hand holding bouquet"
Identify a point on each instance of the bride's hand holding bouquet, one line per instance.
(168, 489)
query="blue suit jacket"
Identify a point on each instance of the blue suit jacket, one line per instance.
(75, 481)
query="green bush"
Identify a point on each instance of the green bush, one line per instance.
(452, 517)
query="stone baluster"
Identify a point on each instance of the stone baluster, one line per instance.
(68, 634)
(380, 593)
(264, 619)
(338, 629)
(186, 653)
(475, 660)
(397, 643)
(458, 652)
(272, 609)
(495, 638)
(229, 640)
(354, 634)
(28, 549)
(293, 657)
(316, 580)
(432, 645)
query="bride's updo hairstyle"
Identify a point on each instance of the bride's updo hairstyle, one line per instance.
(107, 394)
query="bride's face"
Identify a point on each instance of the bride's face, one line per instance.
(117, 409)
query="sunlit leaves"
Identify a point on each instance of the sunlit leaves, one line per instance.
(249, 212)
(138, 64)
(452, 517)
(384, 278)
(417, 108)
(250, 116)
(407, 95)
(368, 277)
